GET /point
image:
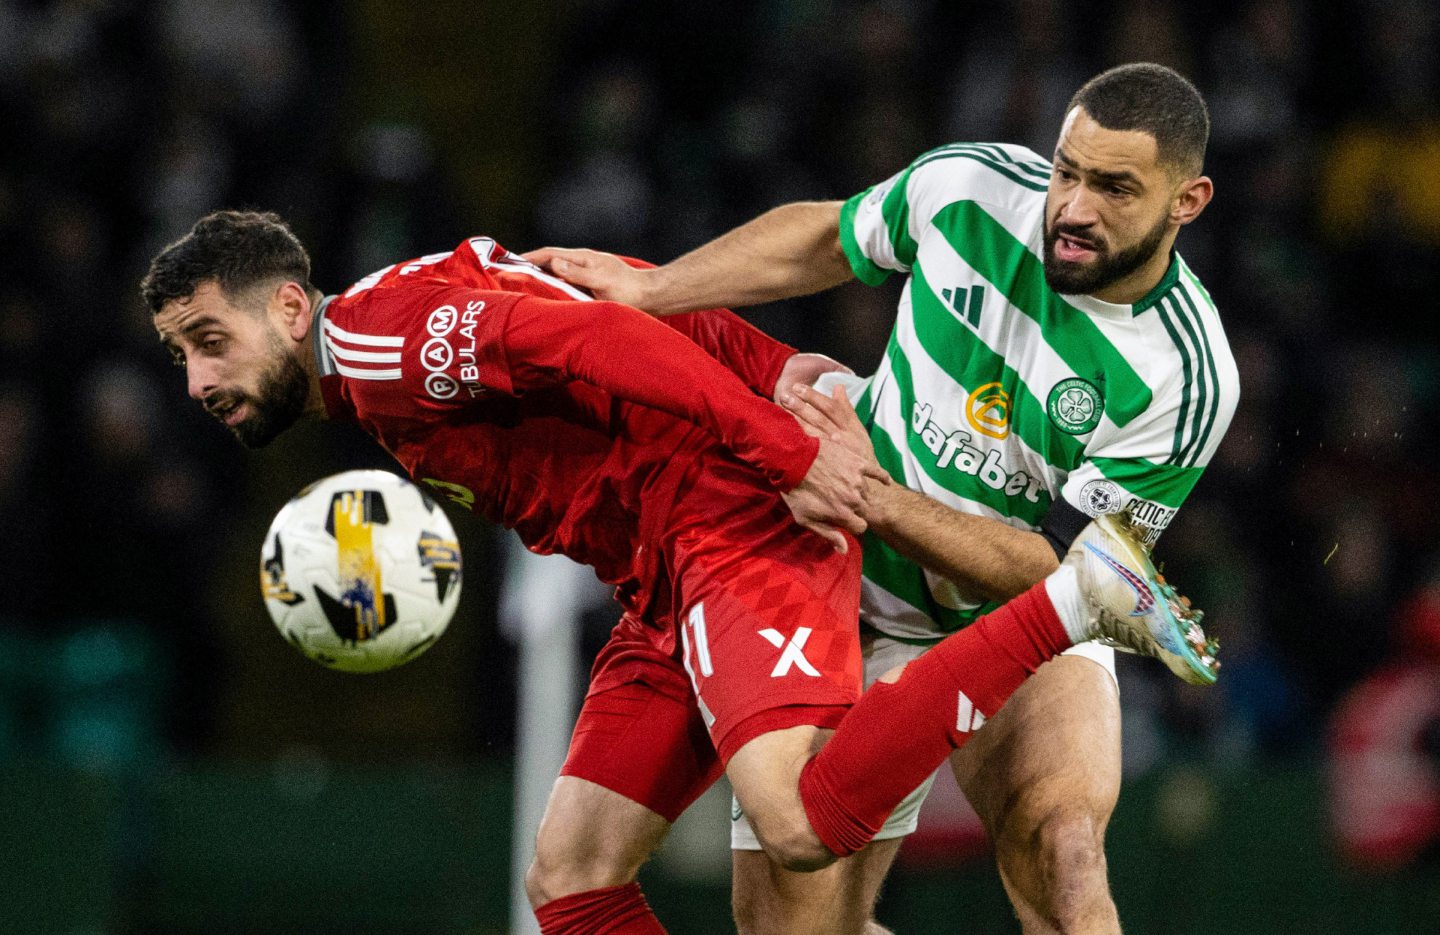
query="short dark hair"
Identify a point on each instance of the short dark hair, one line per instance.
(1154, 99)
(234, 249)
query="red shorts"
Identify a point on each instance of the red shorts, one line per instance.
(759, 633)
(644, 738)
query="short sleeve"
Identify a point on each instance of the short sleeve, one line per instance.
(874, 239)
(1144, 469)
(881, 227)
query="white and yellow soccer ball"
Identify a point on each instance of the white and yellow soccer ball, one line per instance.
(361, 571)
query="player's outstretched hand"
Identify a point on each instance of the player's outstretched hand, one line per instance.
(804, 369)
(605, 275)
(832, 495)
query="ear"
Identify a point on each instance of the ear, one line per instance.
(1192, 198)
(290, 304)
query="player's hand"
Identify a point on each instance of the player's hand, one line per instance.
(604, 275)
(805, 369)
(831, 497)
(830, 417)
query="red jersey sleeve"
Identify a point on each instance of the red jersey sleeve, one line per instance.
(754, 356)
(530, 343)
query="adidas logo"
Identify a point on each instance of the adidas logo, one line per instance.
(968, 717)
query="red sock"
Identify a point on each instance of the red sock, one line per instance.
(615, 910)
(899, 734)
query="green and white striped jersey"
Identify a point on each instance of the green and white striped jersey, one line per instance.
(997, 395)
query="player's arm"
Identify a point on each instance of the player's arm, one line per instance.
(538, 342)
(751, 354)
(762, 362)
(796, 249)
(788, 251)
(983, 556)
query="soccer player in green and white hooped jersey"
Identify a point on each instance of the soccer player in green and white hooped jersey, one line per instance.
(998, 395)
(1053, 358)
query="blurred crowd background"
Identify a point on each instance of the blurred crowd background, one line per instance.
(133, 643)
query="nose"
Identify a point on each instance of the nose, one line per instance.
(200, 379)
(1080, 208)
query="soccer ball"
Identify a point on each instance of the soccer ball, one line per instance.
(361, 571)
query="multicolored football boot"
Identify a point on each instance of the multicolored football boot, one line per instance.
(1135, 610)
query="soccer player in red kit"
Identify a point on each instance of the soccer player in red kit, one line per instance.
(650, 451)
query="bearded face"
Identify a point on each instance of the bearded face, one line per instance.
(1106, 264)
(257, 417)
(1112, 211)
(239, 362)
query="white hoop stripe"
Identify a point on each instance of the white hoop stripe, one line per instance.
(371, 340)
(363, 357)
(358, 374)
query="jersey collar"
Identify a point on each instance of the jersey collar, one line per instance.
(336, 407)
(1093, 306)
(1166, 283)
(324, 361)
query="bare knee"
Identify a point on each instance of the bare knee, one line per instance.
(838, 900)
(540, 885)
(589, 838)
(765, 774)
(553, 874)
(1074, 840)
(1065, 854)
(563, 868)
(791, 843)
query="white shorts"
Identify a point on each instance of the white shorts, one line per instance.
(881, 655)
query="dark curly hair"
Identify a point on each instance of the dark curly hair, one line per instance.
(1157, 100)
(234, 249)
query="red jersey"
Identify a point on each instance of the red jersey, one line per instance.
(570, 420)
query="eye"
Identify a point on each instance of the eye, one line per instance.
(211, 344)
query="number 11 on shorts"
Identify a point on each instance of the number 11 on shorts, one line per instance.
(694, 630)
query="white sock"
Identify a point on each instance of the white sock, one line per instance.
(1064, 590)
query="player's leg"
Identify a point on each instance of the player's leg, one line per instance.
(807, 809)
(1105, 588)
(770, 900)
(1044, 776)
(638, 758)
(767, 624)
(588, 852)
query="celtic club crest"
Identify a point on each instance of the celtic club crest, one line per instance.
(1075, 406)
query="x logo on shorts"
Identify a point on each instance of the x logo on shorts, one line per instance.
(793, 653)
